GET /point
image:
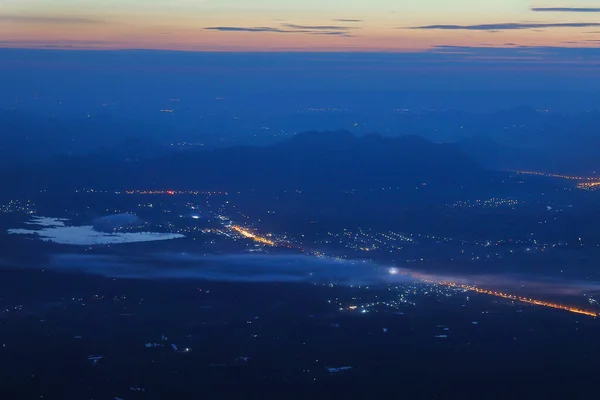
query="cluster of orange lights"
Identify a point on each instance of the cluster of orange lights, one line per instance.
(247, 234)
(589, 185)
(585, 183)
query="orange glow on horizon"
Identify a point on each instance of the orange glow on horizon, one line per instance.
(121, 35)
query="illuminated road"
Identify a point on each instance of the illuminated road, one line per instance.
(508, 296)
(521, 299)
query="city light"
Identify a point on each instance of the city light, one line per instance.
(585, 182)
(173, 192)
(588, 185)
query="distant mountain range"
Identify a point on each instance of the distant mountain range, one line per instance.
(521, 138)
(318, 161)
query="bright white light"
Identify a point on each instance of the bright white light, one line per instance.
(393, 271)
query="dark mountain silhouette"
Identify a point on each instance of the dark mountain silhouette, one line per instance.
(319, 161)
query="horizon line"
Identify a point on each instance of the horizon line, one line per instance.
(297, 51)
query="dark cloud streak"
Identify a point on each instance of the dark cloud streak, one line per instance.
(567, 9)
(320, 27)
(246, 29)
(509, 26)
(289, 28)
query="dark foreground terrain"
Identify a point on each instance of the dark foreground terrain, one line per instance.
(190, 339)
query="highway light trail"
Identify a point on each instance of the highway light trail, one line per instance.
(521, 299)
(508, 296)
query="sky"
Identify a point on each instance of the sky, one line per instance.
(297, 25)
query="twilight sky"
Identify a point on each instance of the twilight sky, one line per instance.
(304, 25)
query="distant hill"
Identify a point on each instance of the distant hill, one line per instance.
(491, 154)
(563, 158)
(27, 139)
(524, 138)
